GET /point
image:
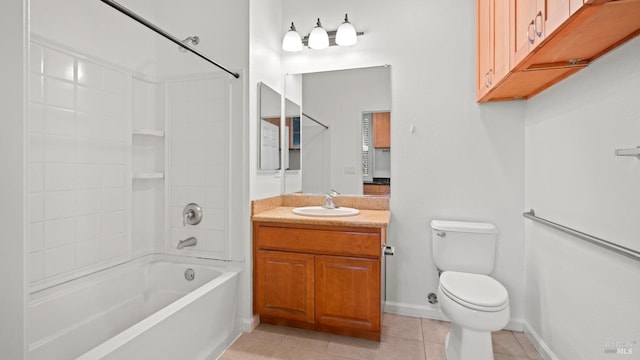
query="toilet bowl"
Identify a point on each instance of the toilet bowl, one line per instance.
(475, 303)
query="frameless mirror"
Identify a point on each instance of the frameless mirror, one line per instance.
(269, 128)
(346, 113)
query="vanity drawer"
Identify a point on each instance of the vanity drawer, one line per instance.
(365, 242)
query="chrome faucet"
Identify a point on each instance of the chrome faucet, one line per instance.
(190, 241)
(328, 200)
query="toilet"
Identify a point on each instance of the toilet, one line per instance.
(476, 304)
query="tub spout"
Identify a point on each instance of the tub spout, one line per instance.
(191, 241)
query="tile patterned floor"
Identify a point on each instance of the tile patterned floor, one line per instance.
(404, 338)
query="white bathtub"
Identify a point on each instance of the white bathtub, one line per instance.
(144, 309)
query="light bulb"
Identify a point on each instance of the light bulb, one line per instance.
(346, 34)
(318, 38)
(292, 41)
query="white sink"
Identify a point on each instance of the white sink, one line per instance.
(319, 211)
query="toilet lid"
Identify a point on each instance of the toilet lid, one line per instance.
(475, 291)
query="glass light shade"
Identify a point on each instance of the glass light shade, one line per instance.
(292, 41)
(318, 38)
(346, 34)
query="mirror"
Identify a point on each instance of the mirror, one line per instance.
(269, 131)
(345, 112)
(269, 105)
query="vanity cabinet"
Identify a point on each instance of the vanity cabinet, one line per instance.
(319, 277)
(547, 41)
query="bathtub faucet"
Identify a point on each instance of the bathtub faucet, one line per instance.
(191, 241)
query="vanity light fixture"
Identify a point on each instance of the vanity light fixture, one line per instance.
(346, 34)
(319, 38)
(292, 41)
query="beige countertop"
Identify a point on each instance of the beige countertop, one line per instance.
(366, 218)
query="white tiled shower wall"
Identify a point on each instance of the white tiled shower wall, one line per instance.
(199, 115)
(78, 163)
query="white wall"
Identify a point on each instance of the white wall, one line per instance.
(464, 161)
(265, 48)
(580, 296)
(13, 69)
(338, 99)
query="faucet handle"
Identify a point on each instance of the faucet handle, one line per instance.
(192, 214)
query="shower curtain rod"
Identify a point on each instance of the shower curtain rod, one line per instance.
(315, 121)
(163, 33)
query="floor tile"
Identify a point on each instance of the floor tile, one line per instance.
(434, 331)
(403, 338)
(528, 348)
(399, 348)
(505, 343)
(402, 326)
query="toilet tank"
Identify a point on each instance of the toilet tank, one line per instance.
(463, 246)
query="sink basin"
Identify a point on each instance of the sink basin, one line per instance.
(319, 211)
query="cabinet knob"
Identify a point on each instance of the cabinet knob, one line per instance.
(441, 234)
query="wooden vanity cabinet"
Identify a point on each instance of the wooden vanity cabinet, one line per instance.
(317, 277)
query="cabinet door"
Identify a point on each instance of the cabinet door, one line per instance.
(485, 47)
(556, 12)
(382, 130)
(501, 39)
(528, 27)
(284, 285)
(348, 292)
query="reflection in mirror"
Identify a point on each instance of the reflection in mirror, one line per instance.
(269, 128)
(335, 158)
(292, 135)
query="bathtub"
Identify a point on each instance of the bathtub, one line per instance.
(143, 309)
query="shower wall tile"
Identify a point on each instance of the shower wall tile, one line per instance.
(36, 263)
(36, 88)
(59, 232)
(199, 162)
(59, 177)
(78, 163)
(58, 64)
(59, 260)
(36, 236)
(35, 59)
(36, 177)
(59, 93)
(36, 120)
(60, 121)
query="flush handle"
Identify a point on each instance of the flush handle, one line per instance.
(442, 234)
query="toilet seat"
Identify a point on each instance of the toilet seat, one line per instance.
(474, 291)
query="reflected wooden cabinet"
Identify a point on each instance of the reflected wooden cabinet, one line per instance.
(382, 130)
(375, 189)
(323, 278)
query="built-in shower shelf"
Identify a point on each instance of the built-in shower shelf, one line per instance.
(148, 132)
(148, 176)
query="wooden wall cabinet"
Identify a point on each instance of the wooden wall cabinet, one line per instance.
(322, 278)
(494, 36)
(382, 130)
(549, 40)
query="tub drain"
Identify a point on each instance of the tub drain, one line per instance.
(189, 274)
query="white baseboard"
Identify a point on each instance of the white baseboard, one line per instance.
(434, 313)
(538, 342)
(249, 324)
